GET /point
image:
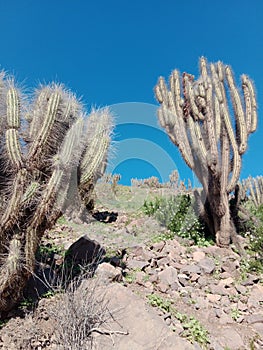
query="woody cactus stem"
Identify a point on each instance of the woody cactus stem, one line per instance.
(209, 120)
(42, 147)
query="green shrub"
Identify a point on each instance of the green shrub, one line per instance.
(177, 214)
(253, 230)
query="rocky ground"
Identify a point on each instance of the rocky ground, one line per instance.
(159, 293)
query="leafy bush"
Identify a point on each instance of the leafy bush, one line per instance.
(253, 230)
(177, 214)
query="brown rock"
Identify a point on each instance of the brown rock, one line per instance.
(145, 329)
(255, 318)
(108, 273)
(168, 276)
(198, 255)
(85, 251)
(207, 265)
(137, 264)
(213, 298)
(241, 289)
(241, 306)
(226, 282)
(256, 296)
(163, 261)
(229, 337)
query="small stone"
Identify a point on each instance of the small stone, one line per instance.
(153, 278)
(201, 303)
(225, 319)
(202, 281)
(168, 321)
(241, 306)
(168, 276)
(198, 255)
(158, 247)
(256, 296)
(137, 264)
(241, 289)
(231, 291)
(226, 282)
(225, 274)
(183, 279)
(207, 265)
(230, 338)
(216, 289)
(225, 301)
(190, 269)
(213, 298)
(108, 273)
(251, 280)
(194, 277)
(163, 261)
(140, 251)
(162, 287)
(255, 318)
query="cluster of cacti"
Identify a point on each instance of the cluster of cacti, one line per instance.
(179, 186)
(209, 120)
(252, 188)
(50, 155)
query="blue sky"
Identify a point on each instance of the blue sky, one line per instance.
(112, 52)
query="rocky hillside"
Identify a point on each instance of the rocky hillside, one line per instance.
(148, 293)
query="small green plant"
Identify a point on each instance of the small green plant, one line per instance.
(157, 301)
(193, 330)
(235, 314)
(164, 236)
(47, 252)
(146, 278)
(26, 304)
(48, 294)
(62, 221)
(3, 323)
(131, 276)
(252, 342)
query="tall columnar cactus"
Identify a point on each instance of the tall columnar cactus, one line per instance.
(209, 120)
(47, 147)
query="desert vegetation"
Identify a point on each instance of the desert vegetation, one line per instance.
(52, 156)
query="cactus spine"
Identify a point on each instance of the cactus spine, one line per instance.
(40, 150)
(198, 120)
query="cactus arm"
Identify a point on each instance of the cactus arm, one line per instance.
(241, 129)
(99, 128)
(11, 214)
(171, 116)
(250, 103)
(38, 112)
(12, 110)
(43, 134)
(236, 156)
(217, 121)
(13, 148)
